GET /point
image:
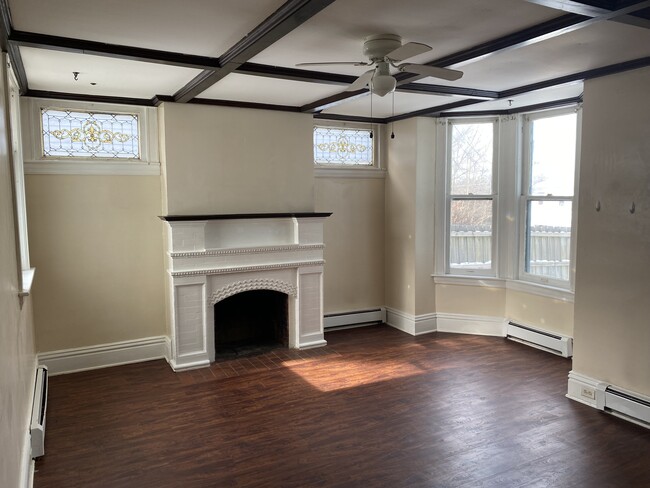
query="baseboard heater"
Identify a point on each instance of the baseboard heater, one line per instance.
(39, 408)
(627, 406)
(360, 318)
(557, 344)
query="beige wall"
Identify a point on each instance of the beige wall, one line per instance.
(550, 314)
(471, 300)
(612, 310)
(96, 242)
(354, 242)
(221, 160)
(400, 187)
(17, 356)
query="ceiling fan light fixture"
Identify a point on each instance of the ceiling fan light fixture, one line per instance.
(382, 85)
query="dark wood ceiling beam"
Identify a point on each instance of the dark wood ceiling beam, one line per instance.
(583, 8)
(525, 37)
(6, 28)
(284, 20)
(81, 46)
(562, 80)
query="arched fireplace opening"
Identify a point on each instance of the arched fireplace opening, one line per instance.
(251, 322)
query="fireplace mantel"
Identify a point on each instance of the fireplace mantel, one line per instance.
(185, 218)
(212, 257)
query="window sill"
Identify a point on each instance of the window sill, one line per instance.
(537, 289)
(27, 282)
(53, 167)
(351, 172)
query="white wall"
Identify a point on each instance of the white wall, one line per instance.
(17, 355)
(612, 310)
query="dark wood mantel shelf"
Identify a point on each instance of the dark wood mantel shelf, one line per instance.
(185, 218)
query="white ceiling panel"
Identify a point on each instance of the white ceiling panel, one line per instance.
(337, 33)
(383, 106)
(571, 90)
(260, 89)
(204, 27)
(52, 71)
(598, 45)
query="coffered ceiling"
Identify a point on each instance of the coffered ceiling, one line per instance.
(514, 53)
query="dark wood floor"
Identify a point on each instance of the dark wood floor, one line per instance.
(376, 407)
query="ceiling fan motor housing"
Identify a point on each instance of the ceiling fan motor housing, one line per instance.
(378, 46)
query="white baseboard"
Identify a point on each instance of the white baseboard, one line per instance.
(105, 355)
(411, 324)
(471, 324)
(586, 390)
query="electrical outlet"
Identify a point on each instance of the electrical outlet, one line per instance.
(588, 393)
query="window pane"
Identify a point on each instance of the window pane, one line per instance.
(471, 159)
(548, 239)
(553, 155)
(470, 237)
(68, 133)
(343, 146)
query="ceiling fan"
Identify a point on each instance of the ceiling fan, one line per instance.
(384, 51)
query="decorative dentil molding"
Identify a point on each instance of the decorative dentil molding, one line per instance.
(242, 269)
(249, 285)
(246, 250)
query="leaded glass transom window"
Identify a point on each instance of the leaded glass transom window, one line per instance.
(89, 135)
(343, 146)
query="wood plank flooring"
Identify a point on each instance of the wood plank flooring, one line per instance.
(375, 408)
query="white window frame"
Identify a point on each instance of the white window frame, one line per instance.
(494, 197)
(376, 170)
(37, 163)
(525, 197)
(13, 102)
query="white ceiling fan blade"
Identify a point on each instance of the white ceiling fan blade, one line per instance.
(362, 81)
(423, 69)
(408, 50)
(339, 63)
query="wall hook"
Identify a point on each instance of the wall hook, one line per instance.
(632, 208)
(598, 206)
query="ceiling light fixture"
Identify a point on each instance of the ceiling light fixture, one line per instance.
(382, 81)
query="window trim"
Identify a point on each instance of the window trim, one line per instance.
(524, 197)
(36, 163)
(494, 197)
(377, 169)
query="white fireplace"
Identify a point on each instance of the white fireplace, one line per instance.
(211, 258)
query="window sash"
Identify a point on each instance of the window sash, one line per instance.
(493, 197)
(526, 198)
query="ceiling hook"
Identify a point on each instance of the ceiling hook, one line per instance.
(632, 208)
(75, 75)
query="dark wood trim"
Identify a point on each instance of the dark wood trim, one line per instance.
(581, 76)
(288, 17)
(6, 28)
(510, 111)
(349, 118)
(82, 97)
(433, 111)
(448, 90)
(589, 10)
(293, 74)
(332, 101)
(239, 104)
(186, 218)
(81, 46)
(157, 100)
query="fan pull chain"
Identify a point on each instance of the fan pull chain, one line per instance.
(371, 111)
(392, 123)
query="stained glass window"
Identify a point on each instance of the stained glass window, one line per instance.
(343, 146)
(89, 135)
